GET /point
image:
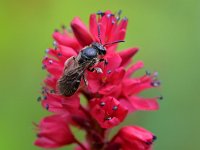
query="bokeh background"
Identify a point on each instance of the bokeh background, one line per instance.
(167, 32)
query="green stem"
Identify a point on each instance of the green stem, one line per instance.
(80, 144)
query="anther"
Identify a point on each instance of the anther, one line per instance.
(59, 54)
(108, 118)
(114, 108)
(47, 107)
(161, 97)
(119, 14)
(55, 44)
(39, 99)
(100, 13)
(45, 97)
(52, 91)
(109, 15)
(113, 22)
(109, 71)
(148, 143)
(155, 74)
(154, 137)
(155, 83)
(47, 51)
(56, 30)
(125, 18)
(102, 104)
(63, 27)
(50, 61)
(106, 62)
(43, 67)
(148, 73)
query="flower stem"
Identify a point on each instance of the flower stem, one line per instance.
(80, 144)
(85, 111)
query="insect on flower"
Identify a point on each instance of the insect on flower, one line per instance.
(75, 67)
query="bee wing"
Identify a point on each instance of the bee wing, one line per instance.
(70, 81)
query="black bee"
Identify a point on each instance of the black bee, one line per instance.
(75, 67)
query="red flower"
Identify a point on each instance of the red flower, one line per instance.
(133, 137)
(54, 132)
(107, 111)
(110, 94)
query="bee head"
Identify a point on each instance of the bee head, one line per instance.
(99, 47)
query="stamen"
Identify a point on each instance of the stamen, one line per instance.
(108, 118)
(102, 104)
(148, 143)
(56, 30)
(43, 67)
(59, 54)
(39, 99)
(63, 27)
(50, 61)
(118, 15)
(148, 73)
(114, 108)
(155, 83)
(155, 74)
(161, 97)
(109, 71)
(154, 137)
(47, 51)
(100, 13)
(52, 91)
(55, 44)
(125, 18)
(47, 106)
(113, 22)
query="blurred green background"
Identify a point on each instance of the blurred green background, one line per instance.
(167, 31)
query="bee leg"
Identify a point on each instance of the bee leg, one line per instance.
(68, 61)
(91, 69)
(103, 60)
(85, 80)
(97, 69)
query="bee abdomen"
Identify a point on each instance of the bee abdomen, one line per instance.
(68, 86)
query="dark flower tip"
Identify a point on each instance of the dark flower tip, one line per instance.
(39, 99)
(47, 106)
(161, 97)
(102, 104)
(114, 108)
(156, 83)
(100, 13)
(154, 137)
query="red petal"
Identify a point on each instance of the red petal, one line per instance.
(54, 132)
(134, 67)
(114, 61)
(134, 137)
(140, 103)
(127, 54)
(81, 32)
(56, 103)
(65, 40)
(105, 115)
(53, 66)
(123, 24)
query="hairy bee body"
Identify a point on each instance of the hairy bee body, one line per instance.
(75, 67)
(74, 70)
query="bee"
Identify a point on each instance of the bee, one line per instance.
(76, 66)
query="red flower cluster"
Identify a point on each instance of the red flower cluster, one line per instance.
(111, 94)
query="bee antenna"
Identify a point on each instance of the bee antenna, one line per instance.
(119, 41)
(98, 27)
